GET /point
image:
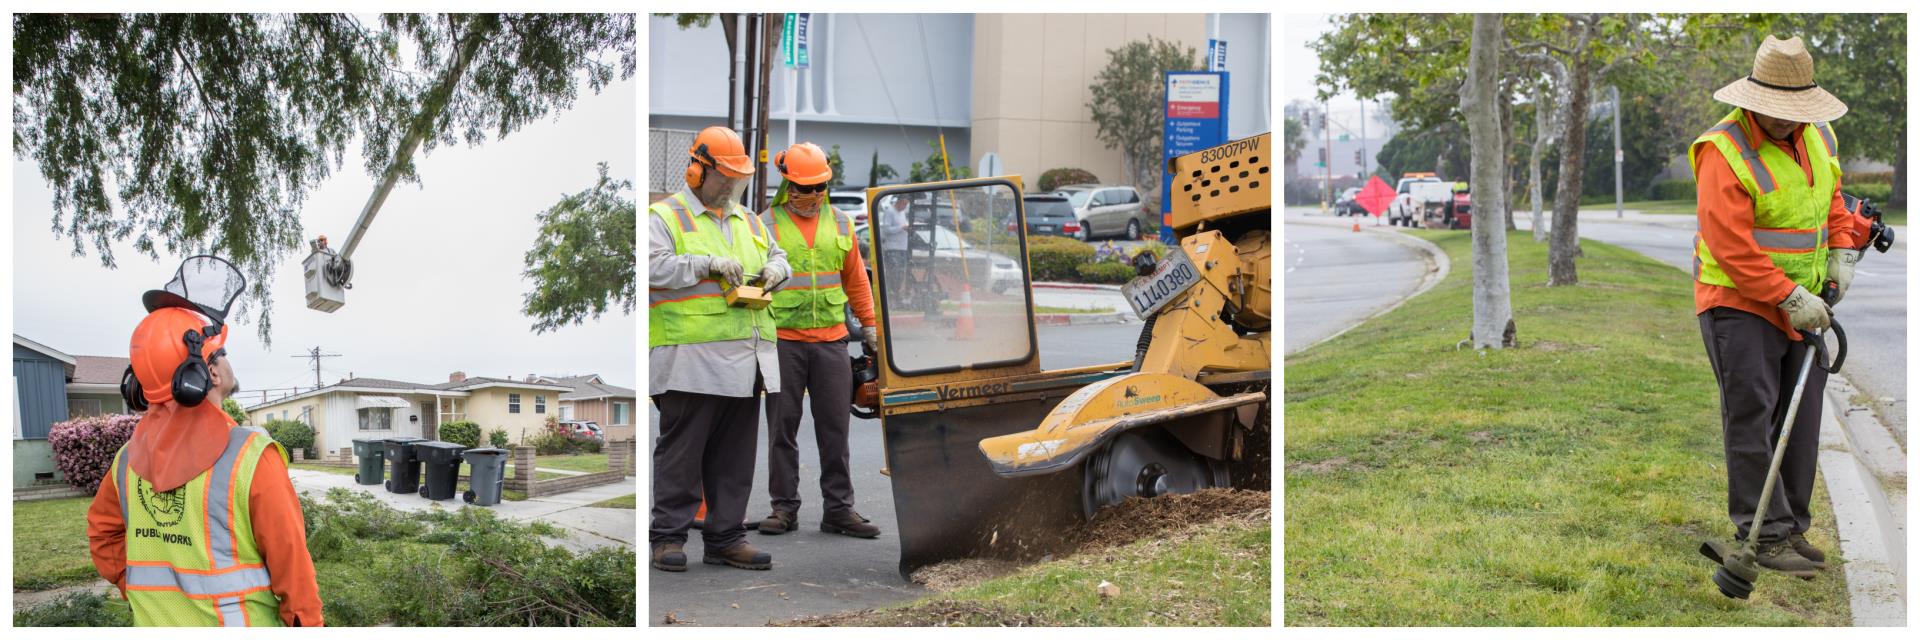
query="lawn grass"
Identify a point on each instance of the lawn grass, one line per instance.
(1564, 482)
(50, 544)
(1219, 577)
(1889, 215)
(588, 462)
(622, 502)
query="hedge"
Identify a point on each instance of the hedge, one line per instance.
(465, 433)
(1673, 190)
(291, 434)
(1105, 273)
(1878, 193)
(1054, 259)
(498, 438)
(83, 448)
(1063, 176)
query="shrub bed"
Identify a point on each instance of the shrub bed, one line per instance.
(465, 433)
(83, 448)
(291, 434)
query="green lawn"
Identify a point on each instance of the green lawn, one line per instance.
(622, 502)
(50, 544)
(1219, 577)
(588, 462)
(1890, 215)
(1565, 482)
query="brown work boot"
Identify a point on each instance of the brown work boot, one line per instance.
(849, 523)
(1807, 550)
(741, 555)
(669, 557)
(781, 521)
(1780, 556)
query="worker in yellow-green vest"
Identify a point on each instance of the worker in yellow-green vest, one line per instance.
(1773, 232)
(709, 360)
(196, 520)
(815, 369)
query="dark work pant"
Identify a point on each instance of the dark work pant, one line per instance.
(822, 372)
(1757, 366)
(706, 442)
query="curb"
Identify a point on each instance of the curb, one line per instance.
(1057, 319)
(1872, 537)
(1438, 265)
(1075, 286)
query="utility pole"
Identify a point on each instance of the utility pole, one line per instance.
(315, 355)
(1361, 176)
(1619, 204)
(1326, 168)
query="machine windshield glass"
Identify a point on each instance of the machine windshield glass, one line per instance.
(955, 295)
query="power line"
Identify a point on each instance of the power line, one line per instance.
(315, 355)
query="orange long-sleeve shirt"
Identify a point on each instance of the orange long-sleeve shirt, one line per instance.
(279, 530)
(853, 278)
(1726, 226)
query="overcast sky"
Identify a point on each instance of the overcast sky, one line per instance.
(437, 284)
(1302, 63)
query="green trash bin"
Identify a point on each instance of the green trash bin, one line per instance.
(373, 460)
(487, 475)
(442, 463)
(404, 464)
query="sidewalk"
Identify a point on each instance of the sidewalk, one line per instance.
(586, 527)
(1092, 303)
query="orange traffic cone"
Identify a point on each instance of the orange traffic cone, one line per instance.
(963, 325)
(1356, 225)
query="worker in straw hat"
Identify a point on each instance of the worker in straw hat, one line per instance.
(1773, 231)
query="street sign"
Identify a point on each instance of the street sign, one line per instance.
(794, 40)
(989, 165)
(1196, 118)
(1216, 55)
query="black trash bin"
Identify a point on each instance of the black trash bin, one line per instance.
(487, 475)
(442, 462)
(373, 459)
(404, 464)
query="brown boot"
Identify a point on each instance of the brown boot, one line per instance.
(741, 555)
(669, 557)
(849, 523)
(1807, 550)
(780, 521)
(1780, 556)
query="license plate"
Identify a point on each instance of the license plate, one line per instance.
(1043, 228)
(1147, 294)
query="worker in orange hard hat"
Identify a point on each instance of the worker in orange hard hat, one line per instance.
(217, 535)
(811, 311)
(709, 360)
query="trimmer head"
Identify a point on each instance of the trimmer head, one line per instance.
(1737, 570)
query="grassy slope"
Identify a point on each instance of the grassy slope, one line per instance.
(50, 544)
(1566, 482)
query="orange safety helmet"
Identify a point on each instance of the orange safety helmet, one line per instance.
(160, 349)
(718, 148)
(804, 163)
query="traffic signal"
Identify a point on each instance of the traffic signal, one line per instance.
(1359, 157)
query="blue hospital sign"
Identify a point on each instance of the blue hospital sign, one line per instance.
(1196, 118)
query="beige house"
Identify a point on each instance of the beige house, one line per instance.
(607, 405)
(374, 408)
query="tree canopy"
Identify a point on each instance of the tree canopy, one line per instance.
(583, 261)
(188, 133)
(1128, 105)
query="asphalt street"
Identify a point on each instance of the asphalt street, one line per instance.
(1874, 311)
(817, 573)
(1335, 277)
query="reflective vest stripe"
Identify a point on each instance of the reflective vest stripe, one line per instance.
(220, 547)
(706, 287)
(120, 481)
(1790, 239)
(680, 211)
(1761, 174)
(1826, 135)
(841, 222)
(822, 280)
(759, 228)
(232, 614)
(231, 582)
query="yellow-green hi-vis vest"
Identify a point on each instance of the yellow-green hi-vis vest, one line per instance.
(699, 313)
(813, 297)
(191, 556)
(1789, 215)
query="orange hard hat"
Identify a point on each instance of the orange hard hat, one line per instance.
(721, 148)
(159, 346)
(804, 163)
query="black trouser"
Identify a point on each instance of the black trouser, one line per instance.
(821, 371)
(1756, 365)
(706, 441)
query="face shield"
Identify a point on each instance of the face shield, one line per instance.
(206, 284)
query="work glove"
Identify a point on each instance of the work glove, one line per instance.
(727, 269)
(870, 337)
(772, 276)
(1806, 311)
(1840, 269)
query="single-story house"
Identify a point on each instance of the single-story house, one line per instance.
(380, 408)
(53, 386)
(607, 405)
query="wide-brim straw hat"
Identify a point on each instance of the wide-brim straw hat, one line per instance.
(1782, 85)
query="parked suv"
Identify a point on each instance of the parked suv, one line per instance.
(1110, 211)
(1050, 215)
(584, 428)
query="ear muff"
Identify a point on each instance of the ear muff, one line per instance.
(192, 379)
(696, 174)
(697, 170)
(131, 392)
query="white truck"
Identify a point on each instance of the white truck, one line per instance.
(1415, 194)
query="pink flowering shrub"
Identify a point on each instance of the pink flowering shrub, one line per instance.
(83, 448)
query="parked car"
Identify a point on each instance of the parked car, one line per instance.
(1110, 211)
(1412, 196)
(989, 269)
(852, 203)
(1346, 206)
(1049, 215)
(584, 428)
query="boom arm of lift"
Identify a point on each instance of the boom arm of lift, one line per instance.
(1190, 336)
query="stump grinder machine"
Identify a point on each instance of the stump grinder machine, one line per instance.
(992, 456)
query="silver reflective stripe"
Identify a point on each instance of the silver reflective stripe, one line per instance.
(1826, 133)
(704, 288)
(1783, 240)
(120, 482)
(219, 493)
(198, 584)
(680, 211)
(1761, 176)
(231, 613)
(826, 280)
